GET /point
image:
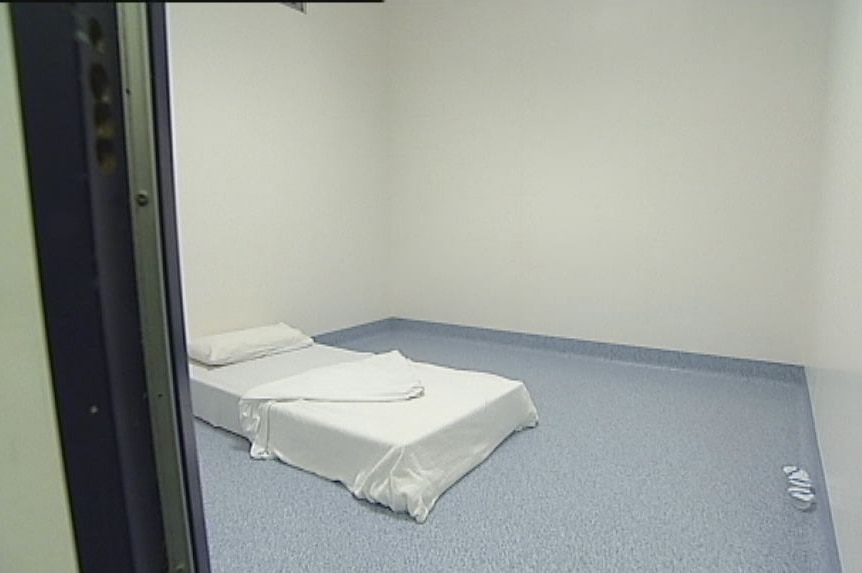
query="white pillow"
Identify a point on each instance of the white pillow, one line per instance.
(239, 345)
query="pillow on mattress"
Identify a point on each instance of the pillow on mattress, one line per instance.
(247, 344)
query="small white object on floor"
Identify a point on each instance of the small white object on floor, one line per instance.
(800, 490)
(802, 498)
(801, 483)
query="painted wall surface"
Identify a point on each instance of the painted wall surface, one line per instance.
(638, 173)
(35, 524)
(835, 380)
(280, 159)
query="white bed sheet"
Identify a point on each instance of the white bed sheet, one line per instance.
(216, 391)
(403, 455)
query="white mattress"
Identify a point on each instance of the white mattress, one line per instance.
(216, 391)
(400, 454)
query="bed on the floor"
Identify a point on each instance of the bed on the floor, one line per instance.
(402, 454)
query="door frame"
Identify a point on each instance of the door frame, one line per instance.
(94, 91)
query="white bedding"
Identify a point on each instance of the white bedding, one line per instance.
(216, 392)
(385, 377)
(379, 378)
(402, 454)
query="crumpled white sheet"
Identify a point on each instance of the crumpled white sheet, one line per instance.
(402, 454)
(380, 378)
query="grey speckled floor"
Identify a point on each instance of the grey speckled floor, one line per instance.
(632, 468)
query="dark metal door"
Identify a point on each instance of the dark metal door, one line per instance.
(101, 330)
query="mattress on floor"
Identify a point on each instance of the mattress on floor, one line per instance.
(403, 455)
(216, 391)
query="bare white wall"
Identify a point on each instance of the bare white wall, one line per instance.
(280, 157)
(35, 524)
(611, 171)
(835, 378)
(640, 173)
